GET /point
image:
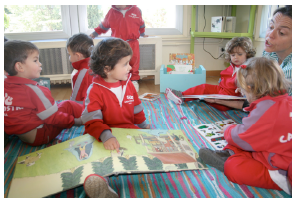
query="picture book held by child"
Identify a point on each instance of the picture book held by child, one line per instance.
(237, 51)
(213, 133)
(216, 96)
(66, 165)
(259, 150)
(125, 22)
(30, 111)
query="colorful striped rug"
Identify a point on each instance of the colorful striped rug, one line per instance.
(161, 114)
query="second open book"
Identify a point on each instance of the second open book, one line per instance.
(216, 96)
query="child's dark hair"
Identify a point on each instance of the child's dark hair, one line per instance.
(286, 11)
(264, 76)
(107, 53)
(244, 43)
(16, 51)
(81, 43)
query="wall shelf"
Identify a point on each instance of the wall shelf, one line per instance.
(221, 34)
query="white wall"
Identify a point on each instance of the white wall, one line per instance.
(182, 44)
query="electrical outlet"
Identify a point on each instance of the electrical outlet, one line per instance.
(221, 50)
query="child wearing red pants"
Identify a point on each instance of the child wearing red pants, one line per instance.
(30, 111)
(126, 23)
(259, 151)
(237, 51)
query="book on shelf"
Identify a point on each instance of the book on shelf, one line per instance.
(182, 59)
(179, 69)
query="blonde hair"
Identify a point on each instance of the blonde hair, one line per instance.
(243, 42)
(264, 76)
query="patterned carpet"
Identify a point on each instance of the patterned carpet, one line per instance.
(161, 114)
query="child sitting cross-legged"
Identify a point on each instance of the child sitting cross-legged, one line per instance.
(79, 48)
(30, 111)
(111, 101)
(259, 151)
(237, 51)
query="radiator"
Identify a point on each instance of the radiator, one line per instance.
(56, 65)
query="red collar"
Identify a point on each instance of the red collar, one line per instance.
(101, 81)
(238, 65)
(19, 80)
(81, 64)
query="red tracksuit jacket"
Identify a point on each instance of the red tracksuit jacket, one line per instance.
(81, 80)
(103, 109)
(228, 80)
(28, 105)
(128, 26)
(266, 132)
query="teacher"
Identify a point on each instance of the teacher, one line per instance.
(278, 46)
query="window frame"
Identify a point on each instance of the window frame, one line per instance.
(65, 33)
(178, 30)
(258, 21)
(74, 20)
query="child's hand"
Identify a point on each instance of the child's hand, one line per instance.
(147, 126)
(238, 90)
(145, 36)
(224, 128)
(112, 144)
(92, 36)
(78, 121)
(212, 100)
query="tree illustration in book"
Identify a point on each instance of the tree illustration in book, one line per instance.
(66, 165)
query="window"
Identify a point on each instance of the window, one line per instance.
(159, 20)
(33, 22)
(39, 22)
(33, 18)
(265, 14)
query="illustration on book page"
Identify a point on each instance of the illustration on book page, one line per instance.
(212, 133)
(66, 165)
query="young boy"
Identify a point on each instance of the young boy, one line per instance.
(126, 23)
(30, 111)
(79, 48)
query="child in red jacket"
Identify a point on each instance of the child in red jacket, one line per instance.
(79, 48)
(30, 111)
(112, 100)
(237, 51)
(125, 22)
(259, 151)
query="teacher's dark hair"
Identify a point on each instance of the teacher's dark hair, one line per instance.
(286, 11)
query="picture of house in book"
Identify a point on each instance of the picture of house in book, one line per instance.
(170, 149)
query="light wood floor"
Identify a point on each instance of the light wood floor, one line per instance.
(63, 91)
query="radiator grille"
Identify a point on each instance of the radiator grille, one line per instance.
(55, 61)
(147, 57)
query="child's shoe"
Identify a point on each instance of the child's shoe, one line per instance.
(97, 187)
(215, 159)
(136, 85)
(174, 95)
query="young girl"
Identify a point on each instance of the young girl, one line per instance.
(111, 100)
(259, 151)
(237, 51)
